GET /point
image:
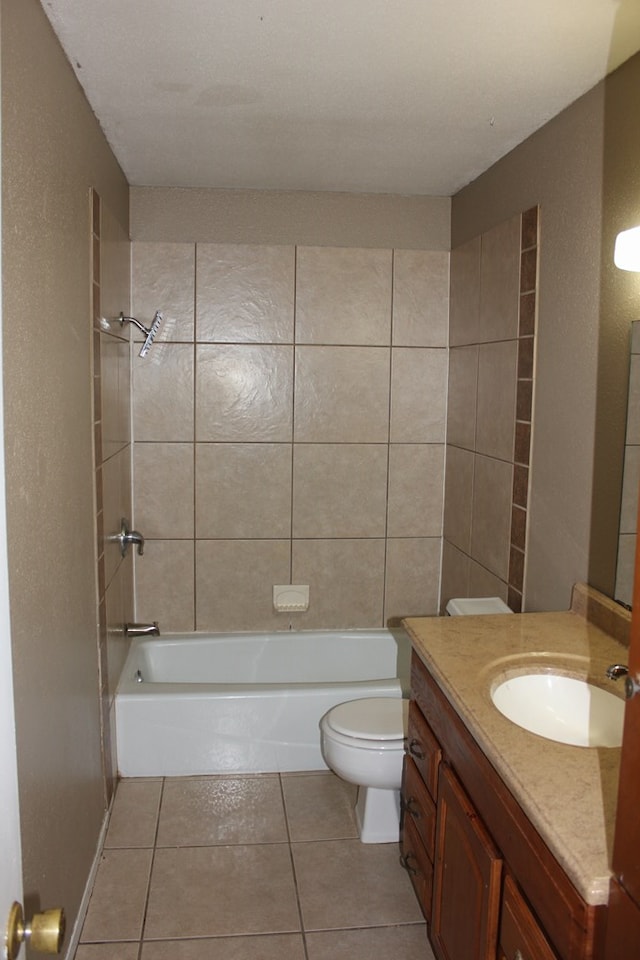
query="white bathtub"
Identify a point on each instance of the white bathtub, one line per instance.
(245, 703)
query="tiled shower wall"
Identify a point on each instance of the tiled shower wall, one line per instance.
(112, 448)
(492, 327)
(289, 427)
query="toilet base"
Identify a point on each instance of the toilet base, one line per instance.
(378, 815)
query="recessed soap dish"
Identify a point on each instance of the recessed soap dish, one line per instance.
(290, 598)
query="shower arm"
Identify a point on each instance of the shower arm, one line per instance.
(141, 327)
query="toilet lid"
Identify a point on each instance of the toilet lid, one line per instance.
(372, 718)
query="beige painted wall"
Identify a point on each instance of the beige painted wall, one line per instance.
(581, 168)
(52, 153)
(277, 217)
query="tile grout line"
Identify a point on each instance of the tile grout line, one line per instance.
(151, 865)
(293, 868)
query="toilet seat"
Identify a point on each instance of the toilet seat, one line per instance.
(372, 723)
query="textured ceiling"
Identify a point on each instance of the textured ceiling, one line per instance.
(391, 96)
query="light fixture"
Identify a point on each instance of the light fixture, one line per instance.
(626, 254)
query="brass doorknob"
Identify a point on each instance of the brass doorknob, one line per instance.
(45, 933)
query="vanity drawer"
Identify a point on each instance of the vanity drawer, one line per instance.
(418, 865)
(520, 936)
(418, 806)
(423, 748)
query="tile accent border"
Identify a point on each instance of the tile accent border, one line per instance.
(529, 247)
(108, 770)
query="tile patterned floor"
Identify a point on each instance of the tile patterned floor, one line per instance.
(262, 867)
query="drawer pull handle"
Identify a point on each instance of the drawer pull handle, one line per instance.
(404, 862)
(518, 955)
(415, 749)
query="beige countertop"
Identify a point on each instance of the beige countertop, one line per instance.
(569, 793)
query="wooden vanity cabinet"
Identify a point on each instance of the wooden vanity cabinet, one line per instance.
(481, 835)
(466, 882)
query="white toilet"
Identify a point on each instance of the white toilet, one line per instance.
(363, 742)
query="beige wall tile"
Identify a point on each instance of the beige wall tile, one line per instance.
(455, 574)
(115, 499)
(458, 497)
(343, 296)
(243, 490)
(500, 281)
(115, 391)
(491, 531)
(496, 414)
(412, 577)
(163, 393)
(346, 580)
(462, 398)
(244, 392)
(165, 585)
(483, 583)
(420, 298)
(339, 490)
(234, 584)
(342, 395)
(245, 293)
(163, 279)
(464, 306)
(119, 606)
(416, 490)
(418, 395)
(164, 490)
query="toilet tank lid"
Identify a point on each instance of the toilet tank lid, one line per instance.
(464, 606)
(371, 718)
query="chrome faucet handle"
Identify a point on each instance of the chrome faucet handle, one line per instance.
(126, 536)
(617, 670)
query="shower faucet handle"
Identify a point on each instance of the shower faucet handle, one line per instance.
(126, 536)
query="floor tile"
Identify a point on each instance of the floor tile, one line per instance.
(384, 943)
(319, 807)
(134, 817)
(221, 811)
(107, 951)
(272, 947)
(218, 891)
(116, 907)
(345, 883)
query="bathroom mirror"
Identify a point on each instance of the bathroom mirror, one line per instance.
(630, 477)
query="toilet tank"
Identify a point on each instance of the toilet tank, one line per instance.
(465, 606)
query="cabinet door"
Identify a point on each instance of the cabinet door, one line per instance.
(466, 895)
(520, 936)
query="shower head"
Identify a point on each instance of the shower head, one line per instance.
(151, 334)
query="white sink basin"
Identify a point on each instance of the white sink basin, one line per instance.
(562, 709)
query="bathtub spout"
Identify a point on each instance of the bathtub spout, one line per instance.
(142, 629)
